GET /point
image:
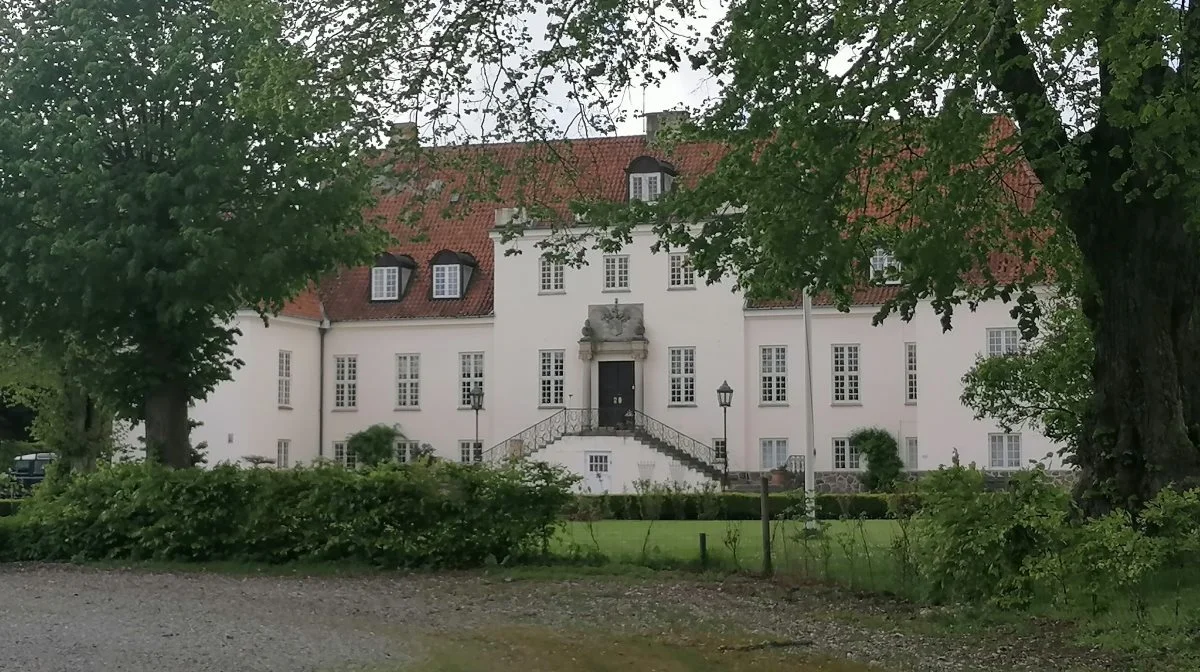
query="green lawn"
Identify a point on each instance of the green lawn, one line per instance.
(677, 543)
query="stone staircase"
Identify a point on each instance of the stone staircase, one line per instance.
(583, 422)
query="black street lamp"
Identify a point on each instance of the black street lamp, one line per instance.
(476, 405)
(725, 399)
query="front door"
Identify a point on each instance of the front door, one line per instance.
(616, 393)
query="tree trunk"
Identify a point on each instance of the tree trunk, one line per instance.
(167, 431)
(1141, 433)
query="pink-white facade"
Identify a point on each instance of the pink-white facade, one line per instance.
(244, 416)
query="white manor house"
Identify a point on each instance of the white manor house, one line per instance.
(611, 369)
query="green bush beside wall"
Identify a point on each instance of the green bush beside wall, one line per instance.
(438, 515)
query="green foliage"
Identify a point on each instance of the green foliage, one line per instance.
(673, 505)
(424, 515)
(201, 164)
(374, 445)
(9, 507)
(883, 458)
(973, 545)
(1046, 386)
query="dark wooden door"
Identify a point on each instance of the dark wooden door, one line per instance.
(616, 393)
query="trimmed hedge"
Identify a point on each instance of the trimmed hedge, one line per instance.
(9, 507)
(738, 506)
(395, 516)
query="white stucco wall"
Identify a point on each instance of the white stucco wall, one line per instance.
(242, 416)
(439, 421)
(949, 355)
(707, 318)
(629, 461)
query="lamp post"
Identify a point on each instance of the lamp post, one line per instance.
(476, 405)
(725, 399)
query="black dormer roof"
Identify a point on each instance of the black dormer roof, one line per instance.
(649, 164)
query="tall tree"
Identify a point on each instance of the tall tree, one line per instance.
(991, 145)
(162, 165)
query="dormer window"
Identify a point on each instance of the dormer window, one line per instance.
(385, 283)
(649, 178)
(885, 268)
(447, 281)
(452, 273)
(390, 276)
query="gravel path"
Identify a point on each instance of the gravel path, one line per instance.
(70, 619)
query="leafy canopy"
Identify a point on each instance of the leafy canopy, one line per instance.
(162, 165)
(1046, 386)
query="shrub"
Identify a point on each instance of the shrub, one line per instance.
(9, 507)
(425, 515)
(974, 545)
(884, 466)
(374, 445)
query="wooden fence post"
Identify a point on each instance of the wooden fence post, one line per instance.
(765, 511)
(703, 551)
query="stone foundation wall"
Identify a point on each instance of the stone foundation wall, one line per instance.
(845, 482)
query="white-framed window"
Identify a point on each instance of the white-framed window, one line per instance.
(406, 451)
(345, 381)
(774, 453)
(845, 454)
(408, 380)
(447, 279)
(468, 454)
(553, 380)
(1004, 451)
(845, 374)
(552, 276)
(645, 187)
(385, 283)
(284, 393)
(1003, 341)
(884, 267)
(683, 375)
(720, 448)
(282, 448)
(470, 373)
(772, 371)
(910, 456)
(598, 463)
(616, 271)
(680, 272)
(910, 373)
(343, 456)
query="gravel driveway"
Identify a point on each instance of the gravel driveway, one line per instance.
(70, 619)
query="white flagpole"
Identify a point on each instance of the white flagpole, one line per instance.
(810, 448)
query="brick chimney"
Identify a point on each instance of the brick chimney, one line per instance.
(657, 122)
(403, 132)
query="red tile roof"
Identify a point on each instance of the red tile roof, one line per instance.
(528, 173)
(306, 306)
(462, 187)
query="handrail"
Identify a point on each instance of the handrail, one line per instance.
(542, 433)
(673, 437)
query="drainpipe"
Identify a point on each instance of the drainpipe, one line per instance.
(322, 330)
(810, 430)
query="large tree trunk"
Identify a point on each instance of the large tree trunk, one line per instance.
(167, 430)
(1141, 434)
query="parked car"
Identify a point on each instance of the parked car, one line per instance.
(29, 470)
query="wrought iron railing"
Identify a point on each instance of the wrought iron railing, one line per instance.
(673, 437)
(543, 433)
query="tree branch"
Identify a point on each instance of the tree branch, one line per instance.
(1014, 74)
